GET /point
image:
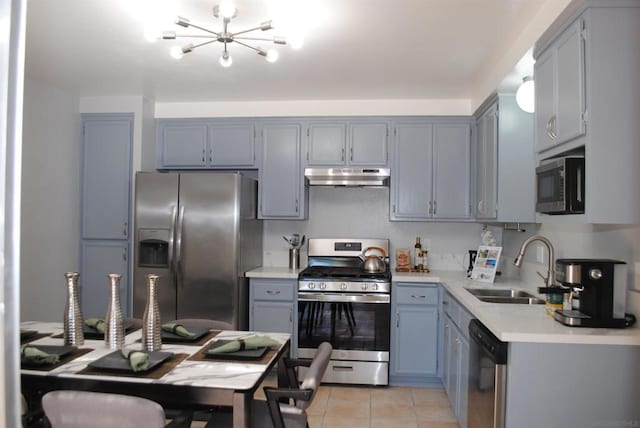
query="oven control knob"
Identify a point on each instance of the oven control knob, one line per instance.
(364, 285)
(374, 287)
(343, 286)
(322, 285)
(595, 273)
(312, 285)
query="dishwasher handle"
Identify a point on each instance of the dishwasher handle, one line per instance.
(495, 349)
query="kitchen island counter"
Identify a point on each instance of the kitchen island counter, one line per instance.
(519, 322)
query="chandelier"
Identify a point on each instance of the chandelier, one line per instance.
(225, 12)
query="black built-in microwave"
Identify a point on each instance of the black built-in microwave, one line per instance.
(560, 186)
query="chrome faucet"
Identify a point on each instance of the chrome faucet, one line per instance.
(551, 273)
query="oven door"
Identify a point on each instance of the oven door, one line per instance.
(357, 325)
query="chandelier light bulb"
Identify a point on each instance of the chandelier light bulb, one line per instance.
(227, 9)
(225, 60)
(525, 96)
(272, 55)
(296, 42)
(176, 52)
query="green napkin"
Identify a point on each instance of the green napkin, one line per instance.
(97, 323)
(36, 356)
(178, 329)
(139, 360)
(251, 342)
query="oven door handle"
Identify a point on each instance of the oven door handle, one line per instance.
(344, 298)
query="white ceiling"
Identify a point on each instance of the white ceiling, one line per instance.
(362, 49)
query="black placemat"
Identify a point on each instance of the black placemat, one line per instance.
(115, 361)
(64, 359)
(155, 373)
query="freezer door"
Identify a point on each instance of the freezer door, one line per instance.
(207, 246)
(156, 212)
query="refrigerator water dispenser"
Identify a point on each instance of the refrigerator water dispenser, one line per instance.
(153, 248)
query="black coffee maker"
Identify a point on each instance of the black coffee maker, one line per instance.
(600, 286)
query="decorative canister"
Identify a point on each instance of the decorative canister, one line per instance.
(151, 336)
(73, 322)
(113, 320)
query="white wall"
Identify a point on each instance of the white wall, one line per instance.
(346, 212)
(50, 199)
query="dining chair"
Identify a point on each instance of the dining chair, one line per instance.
(81, 409)
(274, 414)
(135, 323)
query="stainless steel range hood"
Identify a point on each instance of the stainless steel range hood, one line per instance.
(347, 176)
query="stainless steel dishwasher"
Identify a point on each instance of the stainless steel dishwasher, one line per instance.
(487, 378)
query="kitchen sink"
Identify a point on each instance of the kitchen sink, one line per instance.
(508, 295)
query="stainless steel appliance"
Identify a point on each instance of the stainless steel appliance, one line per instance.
(487, 378)
(560, 186)
(347, 176)
(600, 287)
(199, 232)
(340, 302)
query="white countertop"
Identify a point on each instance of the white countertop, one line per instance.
(275, 272)
(517, 322)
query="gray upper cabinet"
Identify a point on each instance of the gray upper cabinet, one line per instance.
(347, 143)
(505, 165)
(431, 170)
(106, 167)
(487, 164)
(597, 103)
(206, 143)
(282, 194)
(327, 144)
(232, 145)
(560, 89)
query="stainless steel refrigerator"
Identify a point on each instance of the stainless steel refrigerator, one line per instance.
(200, 232)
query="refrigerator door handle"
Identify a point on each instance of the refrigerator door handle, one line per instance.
(179, 247)
(172, 236)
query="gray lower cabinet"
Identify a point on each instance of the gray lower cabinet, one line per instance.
(282, 192)
(455, 354)
(430, 174)
(98, 259)
(205, 143)
(273, 307)
(414, 334)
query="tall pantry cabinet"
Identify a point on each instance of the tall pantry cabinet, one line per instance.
(105, 208)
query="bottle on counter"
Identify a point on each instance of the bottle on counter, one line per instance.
(417, 254)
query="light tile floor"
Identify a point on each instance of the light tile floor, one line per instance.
(377, 407)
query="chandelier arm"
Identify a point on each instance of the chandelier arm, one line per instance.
(247, 46)
(204, 43)
(247, 31)
(203, 29)
(195, 36)
(261, 39)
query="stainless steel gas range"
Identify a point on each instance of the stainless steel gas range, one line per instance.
(341, 302)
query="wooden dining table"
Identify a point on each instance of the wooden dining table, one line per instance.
(188, 380)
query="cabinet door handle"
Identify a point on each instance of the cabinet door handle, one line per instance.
(125, 228)
(273, 292)
(397, 320)
(211, 155)
(297, 205)
(203, 155)
(435, 207)
(413, 296)
(290, 315)
(351, 154)
(124, 254)
(342, 155)
(554, 131)
(430, 207)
